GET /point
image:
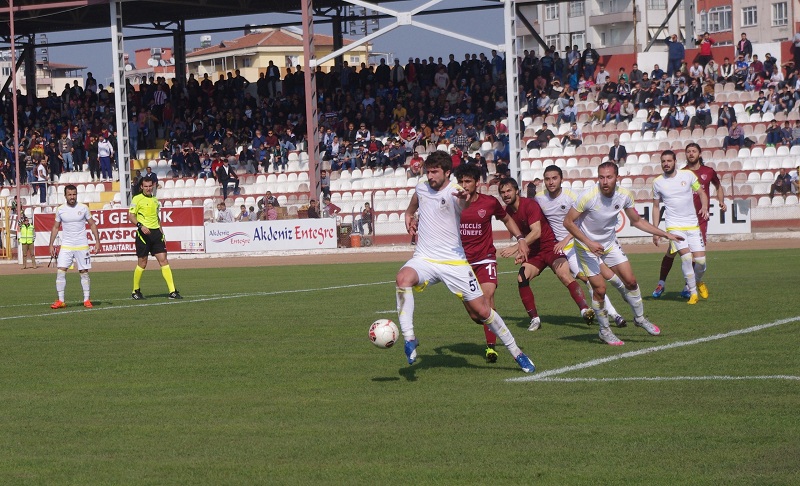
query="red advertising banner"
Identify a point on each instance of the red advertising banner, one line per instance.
(183, 230)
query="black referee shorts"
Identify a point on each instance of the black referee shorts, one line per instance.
(151, 244)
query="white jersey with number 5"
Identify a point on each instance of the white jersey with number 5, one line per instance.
(73, 221)
(599, 214)
(439, 233)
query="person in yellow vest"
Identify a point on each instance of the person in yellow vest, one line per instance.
(25, 238)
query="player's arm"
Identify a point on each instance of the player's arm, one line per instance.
(656, 217)
(571, 226)
(95, 233)
(411, 223)
(639, 223)
(53, 235)
(512, 227)
(720, 193)
(704, 203)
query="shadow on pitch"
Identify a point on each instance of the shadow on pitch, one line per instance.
(448, 357)
(550, 320)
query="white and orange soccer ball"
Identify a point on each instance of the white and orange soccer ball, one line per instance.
(383, 333)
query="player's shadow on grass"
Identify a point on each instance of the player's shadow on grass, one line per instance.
(447, 357)
(522, 323)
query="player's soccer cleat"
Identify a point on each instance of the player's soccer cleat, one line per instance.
(536, 323)
(685, 293)
(411, 350)
(658, 291)
(88, 304)
(588, 316)
(702, 289)
(693, 299)
(525, 363)
(175, 295)
(620, 321)
(648, 326)
(58, 305)
(609, 338)
(137, 295)
(491, 355)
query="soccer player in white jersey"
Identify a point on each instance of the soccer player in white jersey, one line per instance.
(439, 257)
(676, 188)
(72, 218)
(592, 220)
(556, 202)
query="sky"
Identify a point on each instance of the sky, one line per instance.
(403, 42)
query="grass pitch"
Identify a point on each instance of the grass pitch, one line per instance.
(266, 375)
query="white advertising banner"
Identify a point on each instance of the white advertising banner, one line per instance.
(735, 220)
(282, 234)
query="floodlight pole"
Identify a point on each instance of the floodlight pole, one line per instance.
(310, 79)
(120, 104)
(512, 89)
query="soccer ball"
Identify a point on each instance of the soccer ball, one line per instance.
(383, 333)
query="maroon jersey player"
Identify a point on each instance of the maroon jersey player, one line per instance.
(478, 241)
(707, 177)
(537, 232)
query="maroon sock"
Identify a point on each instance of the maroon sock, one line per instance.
(666, 266)
(526, 294)
(577, 295)
(491, 338)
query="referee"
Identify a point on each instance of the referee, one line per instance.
(149, 239)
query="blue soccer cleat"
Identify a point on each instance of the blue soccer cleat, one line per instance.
(411, 350)
(658, 291)
(525, 363)
(686, 294)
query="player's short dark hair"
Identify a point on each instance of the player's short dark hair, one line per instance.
(609, 164)
(670, 153)
(70, 187)
(508, 180)
(440, 159)
(468, 170)
(554, 168)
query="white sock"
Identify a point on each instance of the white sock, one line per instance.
(600, 313)
(688, 272)
(405, 311)
(498, 326)
(609, 307)
(61, 284)
(634, 299)
(617, 283)
(700, 268)
(85, 285)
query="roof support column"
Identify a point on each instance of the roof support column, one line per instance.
(512, 89)
(30, 70)
(120, 103)
(310, 78)
(179, 52)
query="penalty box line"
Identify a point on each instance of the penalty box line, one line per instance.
(56, 313)
(632, 354)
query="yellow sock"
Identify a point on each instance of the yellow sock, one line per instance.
(137, 277)
(166, 272)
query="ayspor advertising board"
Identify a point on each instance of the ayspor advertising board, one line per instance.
(735, 220)
(282, 234)
(183, 231)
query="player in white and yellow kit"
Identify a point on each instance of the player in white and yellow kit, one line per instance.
(556, 202)
(439, 257)
(72, 217)
(593, 221)
(676, 189)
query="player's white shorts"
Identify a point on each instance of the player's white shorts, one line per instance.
(83, 260)
(572, 259)
(692, 239)
(459, 278)
(589, 263)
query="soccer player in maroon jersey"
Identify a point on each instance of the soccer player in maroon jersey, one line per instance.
(707, 176)
(478, 242)
(540, 238)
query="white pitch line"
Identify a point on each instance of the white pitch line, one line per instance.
(190, 301)
(393, 311)
(640, 352)
(672, 378)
